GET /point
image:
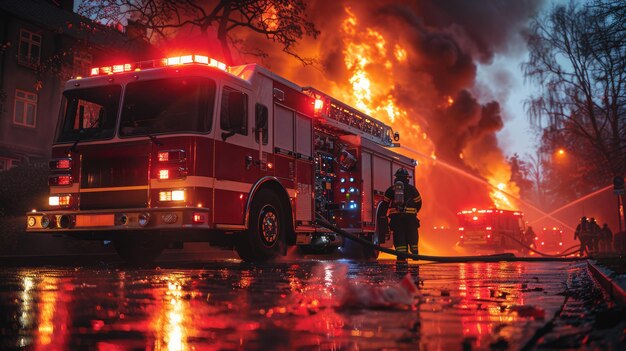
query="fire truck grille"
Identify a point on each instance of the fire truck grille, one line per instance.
(114, 199)
(114, 173)
(105, 173)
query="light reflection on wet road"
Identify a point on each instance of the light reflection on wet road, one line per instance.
(288, 305)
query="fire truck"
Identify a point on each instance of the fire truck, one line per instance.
(494, 229)
(153, 154)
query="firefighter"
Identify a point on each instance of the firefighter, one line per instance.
(606, 239)
(404, 202)
(582, 234)
(594, 232)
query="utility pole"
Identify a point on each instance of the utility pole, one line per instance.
(618, 189)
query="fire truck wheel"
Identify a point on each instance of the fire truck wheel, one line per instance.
(137, 249)
(263, 239)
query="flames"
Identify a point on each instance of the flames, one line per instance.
(363, 49)
(370, 59)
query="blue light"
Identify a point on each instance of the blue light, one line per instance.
(342, 190)
(351, 179)
(343, 180)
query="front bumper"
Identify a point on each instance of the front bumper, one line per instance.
(118, 220)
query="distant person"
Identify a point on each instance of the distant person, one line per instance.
(606, 239)
(582, 233)
(594, 232)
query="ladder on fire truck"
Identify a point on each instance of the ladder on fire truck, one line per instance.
(336, 114)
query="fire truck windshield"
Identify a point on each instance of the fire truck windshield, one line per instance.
(167, 106)
(89, 114)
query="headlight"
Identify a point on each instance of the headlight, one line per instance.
(143, 219)
(45, 221)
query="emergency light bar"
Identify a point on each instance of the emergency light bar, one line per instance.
(168, 61)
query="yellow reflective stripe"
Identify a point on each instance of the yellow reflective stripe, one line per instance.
(417, 198)
(402, 248)
(386, 199)
(406, 210)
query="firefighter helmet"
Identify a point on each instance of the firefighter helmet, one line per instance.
(402, 173)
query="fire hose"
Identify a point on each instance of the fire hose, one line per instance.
(507, 257)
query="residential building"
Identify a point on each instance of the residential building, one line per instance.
(43, 43)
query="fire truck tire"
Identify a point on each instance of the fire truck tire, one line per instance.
(138, 249)
(266, 229)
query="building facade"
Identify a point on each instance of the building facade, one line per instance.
(43, 43)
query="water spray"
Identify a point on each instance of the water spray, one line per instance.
(481, 180)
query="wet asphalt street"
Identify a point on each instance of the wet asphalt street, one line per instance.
(295, 305)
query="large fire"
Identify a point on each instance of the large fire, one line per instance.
(365, 48)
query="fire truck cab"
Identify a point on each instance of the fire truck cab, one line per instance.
(491, 229)
(187, 149)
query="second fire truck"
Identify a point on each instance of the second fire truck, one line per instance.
(187, 149)
(493, 229)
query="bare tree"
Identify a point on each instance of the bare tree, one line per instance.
(281, 21)
(577, 57)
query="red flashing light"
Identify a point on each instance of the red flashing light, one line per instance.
(488, 228)
(65, 180)
(164, 174)
(169, 61)
(60, 180)
(475, 218)
(488, 236)
(318, 105)
(461, 229)
(199, 218)
(64, 163)
(164, 156)
(171, 156)
(461, 236)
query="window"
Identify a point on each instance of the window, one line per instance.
(5, 163)
(234, 111)
(303, 135)
(172, 105)
(25, 110)
(261, 122)
(82, 64)
(89, 113)
(30, 48)
(283, 128)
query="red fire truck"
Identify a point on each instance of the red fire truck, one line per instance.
(181, 149)
(491, 229)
